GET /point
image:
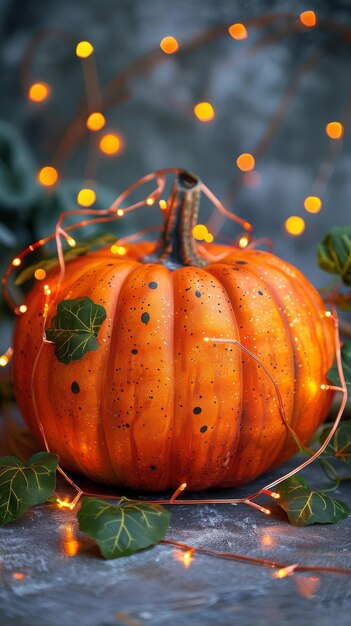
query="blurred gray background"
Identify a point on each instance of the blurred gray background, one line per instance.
(153, 109)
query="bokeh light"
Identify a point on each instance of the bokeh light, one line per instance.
(308, 18)
(48, 176)
(111, 144)
(40, 274)
(312, 204)
(200, 231)
(169, 45)
(295, 225)
(334, 130)
(245, 162)
(204, 111)
(237, 31)
(84, 49)
(86, 197)
(38, 92)
(95, 121)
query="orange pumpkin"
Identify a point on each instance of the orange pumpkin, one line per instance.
(155, 405)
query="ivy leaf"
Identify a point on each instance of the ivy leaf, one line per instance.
(305, 507)
(23, 486)
(122, 530)
(340, 445)
(346, 365)
(334, 253)
(47, 264)
(75, 327)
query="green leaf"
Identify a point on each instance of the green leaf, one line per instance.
(23, 486)
(334, 253)
(340, 445)
(346, 366)
(125, 529)
(305, 507)
(47, 264)
(75, 327)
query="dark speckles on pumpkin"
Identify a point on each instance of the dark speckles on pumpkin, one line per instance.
(260, 293)
(197, 410)
(134, 351)
(198, 294)
(75, 387)
(153, 467)
(241, 262)
(203, 429)
(145, 318)
(153, 285)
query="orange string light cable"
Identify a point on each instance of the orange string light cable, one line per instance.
(257, 561)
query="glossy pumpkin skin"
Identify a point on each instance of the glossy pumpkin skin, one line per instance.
(156, 405)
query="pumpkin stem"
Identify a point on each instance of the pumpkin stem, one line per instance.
(176, 246)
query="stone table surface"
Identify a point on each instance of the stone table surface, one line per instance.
(51, 575)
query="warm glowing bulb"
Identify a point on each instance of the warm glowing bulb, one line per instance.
(95, 121)
(120, 212)
(245, 162)
(204, 111)
(312, 204)
(150, 201)
(71, 242)
(40, 274)
(163, 204)
(295, 225)
(334, 130)
(47, 290)
(243, 242)
(308, 18)
(325, 387)
(84, 49)
(121, 250)
(237, 31)
(169, 45)
(4, 360)
(23, 308)
(110, 144)
(65, 504)
(200, 231)
(327, 314)
(86, 197)
(38, 92)
(16, 262)
(281, 573)
(18, 575)
(208, 238)
(47, 176)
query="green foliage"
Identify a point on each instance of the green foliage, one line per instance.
(75, 327)
(305, 507)
(346, 366)
(340, 445)
(23, 486)
(122, 530)
(334, 253)
(82, 248)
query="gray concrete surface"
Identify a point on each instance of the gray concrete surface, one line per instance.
(51, 575)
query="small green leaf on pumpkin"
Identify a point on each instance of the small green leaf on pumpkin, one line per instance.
(24, 485)
(75, 327)
(334, 253)
(122, 530)
(304, 507)
(340, 445)
(346, 366)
